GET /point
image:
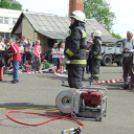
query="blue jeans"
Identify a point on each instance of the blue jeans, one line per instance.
(23, 58)
(33, 64)
(16, 70)
(55, 61)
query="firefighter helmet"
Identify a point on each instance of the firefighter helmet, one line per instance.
(78, 15)
(97, 33)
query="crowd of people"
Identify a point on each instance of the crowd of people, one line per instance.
(21, 54)
(30, 53)
(26, 56)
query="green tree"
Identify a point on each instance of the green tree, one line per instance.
(15, 4)
(10, 4)
(5, 4)
(116, 35)
(100, 10)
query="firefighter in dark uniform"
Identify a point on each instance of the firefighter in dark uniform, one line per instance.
(75, 49)
(96, 55)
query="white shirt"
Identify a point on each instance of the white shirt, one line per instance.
(2, 45)
(128, 45)
(55, 51)
(61, 51)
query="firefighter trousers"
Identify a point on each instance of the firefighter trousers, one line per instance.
(75, 74)
(95, 68)
(127, 69)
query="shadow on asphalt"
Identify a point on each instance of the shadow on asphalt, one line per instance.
(54, 77)
(4, 81)
(112, 72)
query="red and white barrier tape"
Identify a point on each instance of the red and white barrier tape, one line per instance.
(60, 75)
(101, 81)
(109, 81)
(32, 72)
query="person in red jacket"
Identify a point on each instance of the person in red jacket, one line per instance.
(15, 53)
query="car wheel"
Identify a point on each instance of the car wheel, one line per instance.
(107, 60)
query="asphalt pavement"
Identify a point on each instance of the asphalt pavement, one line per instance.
(40, 91)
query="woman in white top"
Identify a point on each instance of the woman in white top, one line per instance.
(55, 54)
(61, 53)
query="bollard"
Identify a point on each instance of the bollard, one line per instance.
(1, 73)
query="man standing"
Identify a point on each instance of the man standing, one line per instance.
(96, 54)
(75, 49)
(24, 42)
(15, 53)
(127, 46)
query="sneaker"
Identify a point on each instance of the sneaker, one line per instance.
(64, 70)
(13, 81)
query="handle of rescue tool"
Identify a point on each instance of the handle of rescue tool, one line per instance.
(74, 131)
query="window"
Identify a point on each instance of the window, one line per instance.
(2, 35)
(1, 20)
(6, 20)
(14, 20)
(50, 43)
(6, 35)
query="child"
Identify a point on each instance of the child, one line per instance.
(46, 65)
(55, 55)
(37, 52)
(61, 56)
(27, 66)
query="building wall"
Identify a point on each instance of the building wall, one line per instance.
(28, 31)
(75, 5)
(44, 43)
(8, 18)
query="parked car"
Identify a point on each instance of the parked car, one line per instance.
(112, 54)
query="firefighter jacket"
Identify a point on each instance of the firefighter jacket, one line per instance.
(75, 45)
(96, 48)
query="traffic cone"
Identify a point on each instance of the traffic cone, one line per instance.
(1, 73)
(130, 82)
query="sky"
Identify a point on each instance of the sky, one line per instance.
(123, 10)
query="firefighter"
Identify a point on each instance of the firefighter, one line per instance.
(96, 54)
(75, 49)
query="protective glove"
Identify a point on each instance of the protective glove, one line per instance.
(65, 61)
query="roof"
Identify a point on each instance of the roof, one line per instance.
(56, 27)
